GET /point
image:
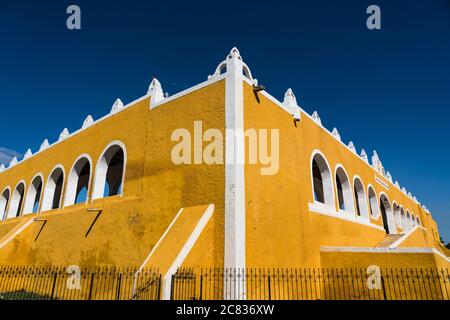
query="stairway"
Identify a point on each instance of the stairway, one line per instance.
(14, 232)
(389, 240)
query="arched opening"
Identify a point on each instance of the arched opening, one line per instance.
(322, 185)
(4, 200)
(53, 190)
(373, 204)
(403, 219)
(344, 192)
(78, 182)
(386, 214)
(361, 200)
(109, 173)
(418, 221)
(33, 197)
(397, 216)
(16, 201)
(413, 220)
(408, 221)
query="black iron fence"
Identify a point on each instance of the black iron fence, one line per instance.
(73, 283)
(311, 284)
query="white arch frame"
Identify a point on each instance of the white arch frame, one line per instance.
(101, 171)
(347, 191)
(328, 190)
(14, 210)
(49, 190)
(389, 214)
(361, 199)
(71, 186)
(4, 203)
(28, 205)
(373, 206)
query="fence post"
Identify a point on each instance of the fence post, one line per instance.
(91, 285)
(119, 284)
(201, 287)
(171, 287)
(268, 283)
(159, 288)
(54, 285)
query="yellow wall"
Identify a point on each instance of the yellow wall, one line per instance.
(281, 231)
(154, 189)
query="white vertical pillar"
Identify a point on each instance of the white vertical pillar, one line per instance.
(234, 174)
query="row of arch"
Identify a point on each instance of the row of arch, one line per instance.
(354, 200)
(108, 181)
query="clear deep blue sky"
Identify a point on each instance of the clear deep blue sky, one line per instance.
(387, 90)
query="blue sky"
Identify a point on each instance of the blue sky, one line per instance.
(387, 90)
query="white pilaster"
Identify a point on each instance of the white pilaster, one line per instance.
(234, 169)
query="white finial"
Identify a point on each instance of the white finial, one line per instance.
(64, 134)
(388, 176)
(13, 162)
(44, 145)
(117, 106)
(364, 156)
(410, 195)
(316, 118)
(336, 134)
(351, 146)
(87, 122)
(2, 168)
(415, 199)
(27, 154)
(404, 190)
(376, 163)
(397, 184)
(156, 92)
(291, 103)
(234, 64)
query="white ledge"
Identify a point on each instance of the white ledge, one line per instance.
(326, 210)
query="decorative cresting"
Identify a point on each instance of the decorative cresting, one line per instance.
(28, 154)
(44, 145)
(351, 146)
(222, 67)
(404, 190)
(87, 122)
(156, 92)
(13, 162)
(388, 176)
(336, 134)
(2, 168)
(117, 106)
(316, 117)
(364, 156)
(64, 134)
(291, 103)
(376, 163)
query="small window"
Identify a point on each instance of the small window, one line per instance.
(78, 182)
(33, 198)
(16, 201)
(322, 186)
(4, 200)
(109, 173)
(345, 195)
(53, 190)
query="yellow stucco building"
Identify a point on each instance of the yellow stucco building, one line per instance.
(219, 175)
